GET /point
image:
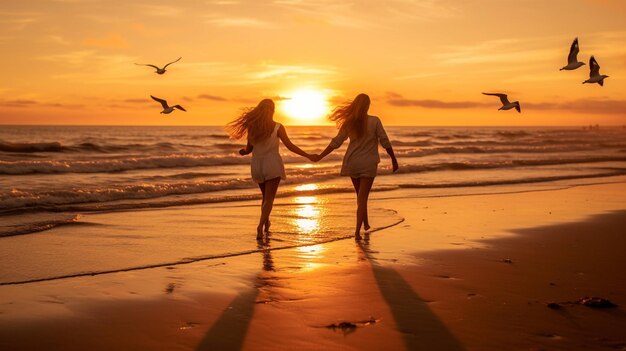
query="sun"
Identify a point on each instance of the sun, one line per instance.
(305, 105)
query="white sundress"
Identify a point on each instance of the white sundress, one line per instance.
(361, 158)
(266, 162)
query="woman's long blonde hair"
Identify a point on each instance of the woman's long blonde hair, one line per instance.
(257, 122)
(352, 116)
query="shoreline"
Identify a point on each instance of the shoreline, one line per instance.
(437, 280)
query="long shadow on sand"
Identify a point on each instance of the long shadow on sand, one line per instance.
(421, 328)
(229, 331)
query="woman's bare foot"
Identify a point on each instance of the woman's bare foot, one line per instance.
(259, 233)
(267, 226)
(357, 236)
(366, 226)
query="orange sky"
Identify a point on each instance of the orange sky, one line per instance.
(423, 62)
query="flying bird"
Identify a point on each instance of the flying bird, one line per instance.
(158, 69)
(506, 104)
(594, 73)
(572, 58)
(166, 108)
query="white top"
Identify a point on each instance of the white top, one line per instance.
(361, 158)
(266, 162)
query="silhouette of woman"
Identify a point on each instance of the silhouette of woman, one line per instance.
(361, 159)
(266, 165)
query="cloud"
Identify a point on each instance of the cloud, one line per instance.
(418, 75)
(291, 71)
(280, 98)
(18, 103)
(246, 22)
(587, 106)
(161, 10)
(132, 103)
(517, 54)
(327, 12)
(57, 39)
(501, 50)
(25, 103)
(17, 21)
(89, 67)
(73, 57)
(360, 14)
(109, 41)
(211, 97)
(398, 100)
(138, 101)
(206, 97)
(421, 10)
(68, 106)
(245, 100)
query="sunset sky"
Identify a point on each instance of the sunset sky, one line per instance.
(423, 62)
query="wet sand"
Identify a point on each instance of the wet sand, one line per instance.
(466, 272)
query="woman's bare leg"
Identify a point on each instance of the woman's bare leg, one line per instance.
(356, 183)
(259, 235)
(271, 187)
(365, 185)
(267, 224)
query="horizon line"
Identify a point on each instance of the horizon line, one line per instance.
(309, 125)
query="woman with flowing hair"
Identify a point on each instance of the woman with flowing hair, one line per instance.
(266, 165)
(361, 159)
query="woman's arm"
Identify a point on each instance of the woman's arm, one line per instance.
(326, 151)
(246, 150)
(282, 134)
(394, 162)
(334, 144)
(384, 141)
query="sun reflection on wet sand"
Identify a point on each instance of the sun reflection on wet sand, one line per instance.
(307, 165)
(306, 200)
(307, 218)
(311, 222)
(306, 187)
(307, 213)
(307, 225)
(310, 256)
(312, 251)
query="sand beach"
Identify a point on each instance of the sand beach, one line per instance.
(464, 272)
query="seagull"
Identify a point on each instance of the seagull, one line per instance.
(572, 59)
(506, 105)
(166, 108)
(594, 73)
(158, 70)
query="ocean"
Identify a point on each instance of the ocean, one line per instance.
(62, 185)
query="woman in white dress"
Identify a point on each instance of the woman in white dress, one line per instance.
(266, 166)
(361, 159)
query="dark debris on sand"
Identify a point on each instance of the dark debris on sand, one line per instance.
(170, 288)
(350, 327)
(596, 302)
(553, 305)
(589, 301)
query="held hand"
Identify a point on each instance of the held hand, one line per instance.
(395, 166)
(312, 157)
(242, 152)
(316, 158)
